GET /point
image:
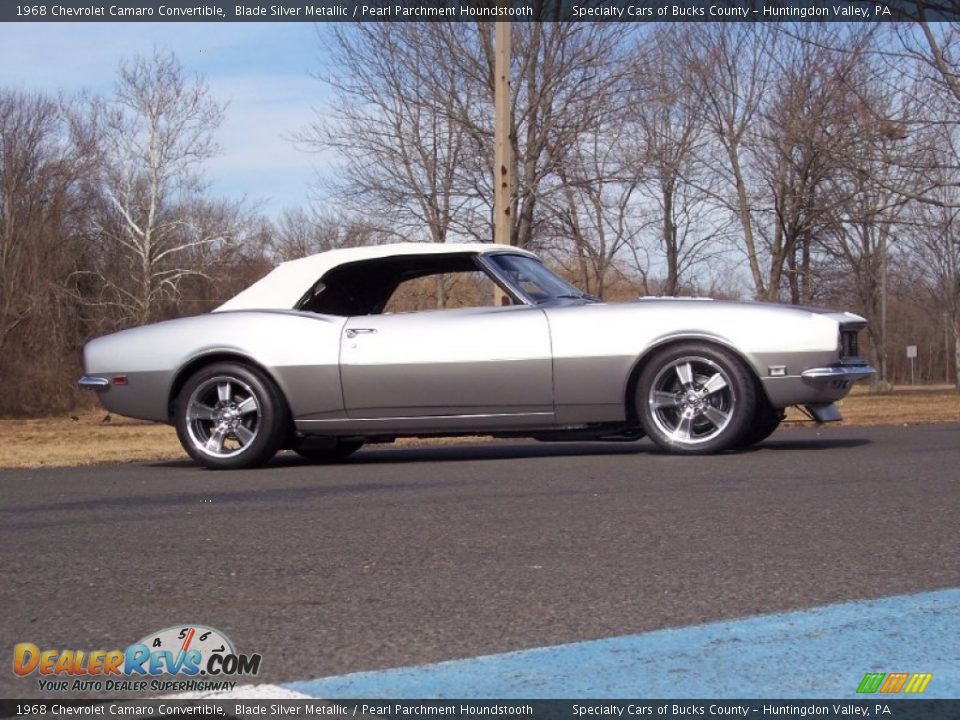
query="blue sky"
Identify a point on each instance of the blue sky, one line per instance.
(260, 69)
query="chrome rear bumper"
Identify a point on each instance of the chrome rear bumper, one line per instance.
(88, 382)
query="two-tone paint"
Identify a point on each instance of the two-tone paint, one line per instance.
(524, 367)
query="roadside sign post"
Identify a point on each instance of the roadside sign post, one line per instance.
(912, 355)
(946, 348)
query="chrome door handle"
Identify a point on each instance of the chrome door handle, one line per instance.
(353, 332)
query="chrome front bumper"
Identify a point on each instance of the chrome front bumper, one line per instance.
(838, 373)
(836, 380)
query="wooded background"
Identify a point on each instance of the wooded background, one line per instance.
(811, 163)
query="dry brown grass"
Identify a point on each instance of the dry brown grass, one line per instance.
(905, 405)
(59, 441)
(88, 440)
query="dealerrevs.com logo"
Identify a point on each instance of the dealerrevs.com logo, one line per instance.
(197, 658)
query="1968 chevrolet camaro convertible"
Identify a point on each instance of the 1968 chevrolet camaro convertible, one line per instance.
(329, 351)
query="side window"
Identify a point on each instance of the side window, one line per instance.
(445, 291)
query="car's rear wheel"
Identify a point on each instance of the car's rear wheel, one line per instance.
(695, 398)
(318, 453)
(229, 416)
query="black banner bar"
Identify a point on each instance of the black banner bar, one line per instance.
(472, 10)
(875, 708)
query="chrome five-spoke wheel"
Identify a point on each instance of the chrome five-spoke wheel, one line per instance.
(695, 398)
(691, 400)
(231, 416)
(223, 417)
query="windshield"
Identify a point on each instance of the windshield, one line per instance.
(533, 279)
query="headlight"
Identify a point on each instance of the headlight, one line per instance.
(849, 344)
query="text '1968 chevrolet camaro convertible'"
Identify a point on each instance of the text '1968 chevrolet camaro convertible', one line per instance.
(331, 351)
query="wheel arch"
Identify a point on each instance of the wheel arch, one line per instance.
(209, 358)
(635, 371)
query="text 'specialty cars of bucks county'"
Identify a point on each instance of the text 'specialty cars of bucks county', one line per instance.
(312, 357)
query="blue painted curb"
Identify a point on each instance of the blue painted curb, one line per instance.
(818, 653)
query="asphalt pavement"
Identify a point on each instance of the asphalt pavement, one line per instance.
(409, 555)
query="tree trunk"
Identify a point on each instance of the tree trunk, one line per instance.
(441, 292)
(794, 280)
(743, 212)
(806, 286)
(670, 242)
(956, 350)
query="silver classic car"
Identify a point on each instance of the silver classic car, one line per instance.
(332, 350)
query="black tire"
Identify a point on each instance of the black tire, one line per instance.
(328, 454)
(766, 420)
(230, 416)
(695, 398)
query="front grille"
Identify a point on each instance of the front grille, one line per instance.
(849, 346)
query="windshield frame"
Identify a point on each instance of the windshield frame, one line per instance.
(560, 291)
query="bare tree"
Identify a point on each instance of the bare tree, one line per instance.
(596, 209)
(31, 178)
(299, 232)
(400, 153)
(868, 215)
(933, 236)
(726, 70)
(153, 135)
(797, 155)
(671, 132)
(923, 63)
(936, 248)
(414, 122)
(40, 172)
(568, 81)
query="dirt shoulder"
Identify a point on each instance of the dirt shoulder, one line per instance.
(95, 437)
(905, 405)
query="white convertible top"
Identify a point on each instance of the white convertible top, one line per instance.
(282, 287)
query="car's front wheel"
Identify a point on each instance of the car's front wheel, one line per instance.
(229, 416)
(695, 398)
(766, 420)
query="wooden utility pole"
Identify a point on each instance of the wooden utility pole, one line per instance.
(502, 145)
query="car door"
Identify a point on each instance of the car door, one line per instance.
(487, 367)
